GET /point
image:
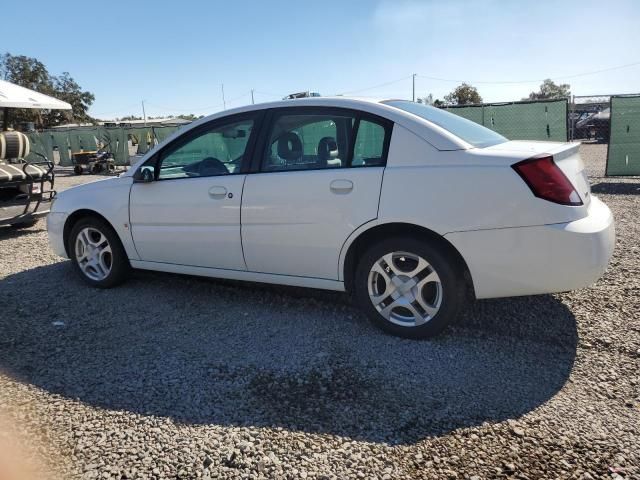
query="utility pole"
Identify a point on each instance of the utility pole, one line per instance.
(144, 115)
(224, 103)
(414, 86)
(252, 102)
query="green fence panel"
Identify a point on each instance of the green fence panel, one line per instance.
(141, 138)
(60, 140)
(74, 141)
(474, 113)
(162, 133)
(87, 139)
(623, 156)
(113, 139)
(118, 145)
(39, 143)
(543, 120)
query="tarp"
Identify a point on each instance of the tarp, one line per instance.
(114, 139)
(15, 96)
(623, 155)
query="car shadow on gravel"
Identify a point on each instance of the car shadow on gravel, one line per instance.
(7, 232)
(200, 351)
(617, 188)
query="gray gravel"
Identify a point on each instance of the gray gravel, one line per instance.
(180, 377)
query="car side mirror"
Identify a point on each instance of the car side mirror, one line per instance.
(144, 175)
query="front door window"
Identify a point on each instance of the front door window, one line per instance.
(218, 151)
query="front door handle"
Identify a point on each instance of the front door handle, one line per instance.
(341, 187)
(217, 192)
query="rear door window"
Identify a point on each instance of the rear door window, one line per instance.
(369, 145)
(310, 139)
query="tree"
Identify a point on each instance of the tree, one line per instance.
(464, 94)
(33, 74)
(428, 100)
(549, 89)
(66, 89)
(190, 117)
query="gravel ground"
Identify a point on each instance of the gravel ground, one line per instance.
(180, 377)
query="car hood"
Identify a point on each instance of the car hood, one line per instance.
(87, 188)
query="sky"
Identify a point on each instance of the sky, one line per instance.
(177, 55)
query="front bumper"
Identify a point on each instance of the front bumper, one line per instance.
(510, 262)
(55, 230)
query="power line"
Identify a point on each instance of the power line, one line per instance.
(199, 109)
(505, 82)
(376, 86)
(102, 114)
(384, 84)
(269, 94)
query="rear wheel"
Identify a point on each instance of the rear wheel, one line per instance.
(408, 287)
(97, 253)
(77, 170)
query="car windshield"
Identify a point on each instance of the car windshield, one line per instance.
(469, 131)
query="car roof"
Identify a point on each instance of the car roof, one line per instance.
(437, 136)
(433, 134)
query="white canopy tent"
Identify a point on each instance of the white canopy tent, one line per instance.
(15, 96)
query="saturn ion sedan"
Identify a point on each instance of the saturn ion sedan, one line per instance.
(410, 209)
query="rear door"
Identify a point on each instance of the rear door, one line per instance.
(190, 214)
(317, 178)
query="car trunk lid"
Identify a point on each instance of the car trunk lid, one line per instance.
(565, 155)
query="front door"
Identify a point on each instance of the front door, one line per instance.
(190, 214)
(320, 178)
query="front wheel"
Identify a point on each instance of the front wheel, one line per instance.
(409, 287)
(97, 253)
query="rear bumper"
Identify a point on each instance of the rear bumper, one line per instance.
(542, 259)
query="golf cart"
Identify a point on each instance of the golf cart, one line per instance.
(26, 187)
(93, 161)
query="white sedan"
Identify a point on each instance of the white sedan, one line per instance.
(409, 208)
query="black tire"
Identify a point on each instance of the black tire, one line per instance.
(119, 262)
(451, 293)
(77, 170)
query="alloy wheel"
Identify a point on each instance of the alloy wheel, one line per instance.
(405, 289)
(93, 253)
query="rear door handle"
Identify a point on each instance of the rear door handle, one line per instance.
(217, 192)
(341, 187)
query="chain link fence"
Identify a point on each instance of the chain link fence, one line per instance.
(589, 118)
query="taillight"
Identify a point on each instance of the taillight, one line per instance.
(547, 181)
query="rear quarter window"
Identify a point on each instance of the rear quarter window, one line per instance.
(471, 132)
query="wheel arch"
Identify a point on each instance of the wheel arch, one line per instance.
(360, 243)
(75, 217)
